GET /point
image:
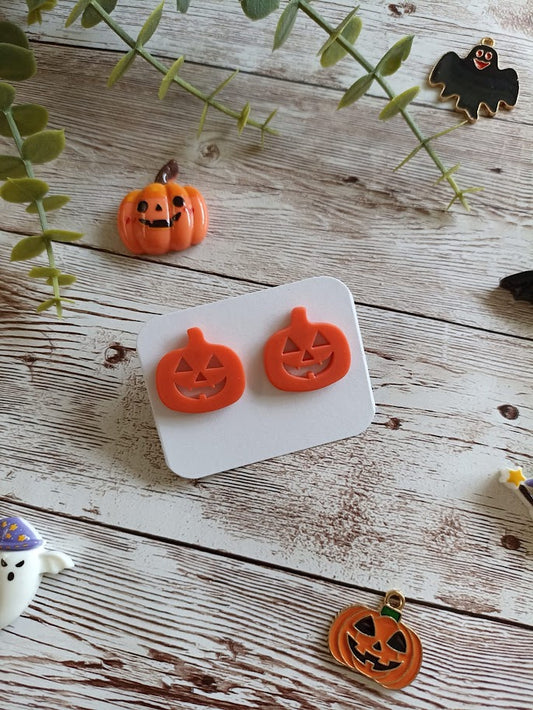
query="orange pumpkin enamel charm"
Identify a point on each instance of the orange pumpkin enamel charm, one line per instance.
(377, 643)
(200, 377)
(163, 216)
(306, 356)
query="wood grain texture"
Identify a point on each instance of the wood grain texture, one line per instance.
(220, 35)
(310, 203)
(147, 624)
(219, 593)
(345, 510)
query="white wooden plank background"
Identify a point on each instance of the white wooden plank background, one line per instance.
(149, 624)
(235, 578)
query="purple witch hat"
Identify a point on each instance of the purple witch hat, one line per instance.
(16, 534)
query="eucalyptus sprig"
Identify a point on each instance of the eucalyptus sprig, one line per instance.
(26, 125)
(36, 9)
(340, 42)
(94, 11)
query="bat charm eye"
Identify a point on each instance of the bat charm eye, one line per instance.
(476, 83)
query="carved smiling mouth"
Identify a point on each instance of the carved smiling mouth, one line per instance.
(203, 392)
(480, 64)
(160, 222)
(309, 371)
(374, 660)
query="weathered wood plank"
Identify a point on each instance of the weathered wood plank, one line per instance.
(146, 624)
(318, 199)
(417, 490)
(221, 35)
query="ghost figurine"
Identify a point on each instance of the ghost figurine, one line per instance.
(23, 561)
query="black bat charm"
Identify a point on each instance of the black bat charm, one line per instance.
(520, 285)
(476, 81)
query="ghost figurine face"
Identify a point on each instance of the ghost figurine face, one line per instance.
(23, 561)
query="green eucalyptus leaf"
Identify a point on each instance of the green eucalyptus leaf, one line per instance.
(356, 90)
(62, 235)
(393, 58)
(13, 34)
(257, 9)
(54, 202)
(182, 5)
(398, 103)
(76, 11)
(44, 146)
(23, 190)
(7, 94)
(43, 272)
(243, 118)
(335, 52)
(285, 24)
(30, 118)
(121, 67)
(11, 166)
(91, 17)
(41, 4)
(202, 119)
(45, 305)
(169, 77)
(151, 25)
(16, 63)
(37, 7)
(62, 280)
(224, 83)
(27, 248)
(34, 16)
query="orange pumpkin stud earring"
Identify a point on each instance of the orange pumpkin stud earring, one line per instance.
(377, 643)
(306, 356)
(200, 377)
(163, 216)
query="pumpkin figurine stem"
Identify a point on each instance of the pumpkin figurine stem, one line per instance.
(169, 171)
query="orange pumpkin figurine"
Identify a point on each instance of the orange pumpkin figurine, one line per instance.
(306, 356)
(377, 643)
(163, 216)
(200, 377)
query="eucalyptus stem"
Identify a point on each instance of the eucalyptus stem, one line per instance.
(423, 141)
(15, 133)
(147, 56)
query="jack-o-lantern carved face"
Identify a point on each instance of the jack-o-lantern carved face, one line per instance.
(376, 644)
(163, 216)
(306, 356)
(201, 377)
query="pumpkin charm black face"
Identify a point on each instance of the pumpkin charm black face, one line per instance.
(376, 643)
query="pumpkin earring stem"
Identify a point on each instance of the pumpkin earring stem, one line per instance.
(169, 171)
(196, 337)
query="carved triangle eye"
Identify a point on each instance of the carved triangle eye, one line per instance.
(366, 626)
(183, 366)
(397, 642)
(320, 340)
(290, 346)
(214, 362)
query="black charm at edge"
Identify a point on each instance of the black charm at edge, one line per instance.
(520, 285)
(476, 81)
